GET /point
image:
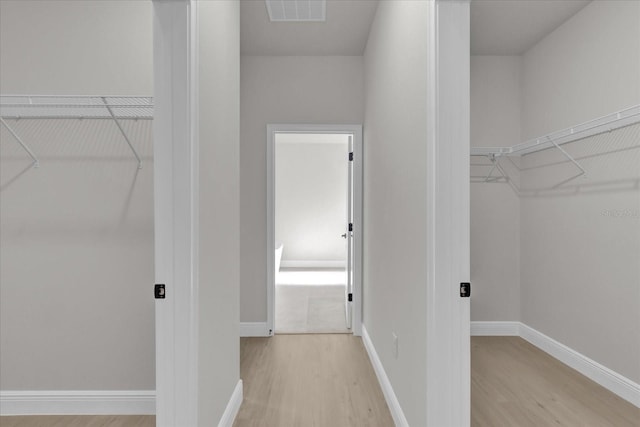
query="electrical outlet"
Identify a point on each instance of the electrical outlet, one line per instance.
(395, 344)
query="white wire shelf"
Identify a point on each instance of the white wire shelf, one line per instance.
(114, 108)
(80, 107)
(608, 123)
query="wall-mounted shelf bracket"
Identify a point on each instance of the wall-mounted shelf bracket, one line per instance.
(572, 160)
(494, 165)
(36, 162)
(124, 134)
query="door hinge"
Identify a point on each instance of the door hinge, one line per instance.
(350, 226)
(465, 290)
(350, 297)
(351, 157)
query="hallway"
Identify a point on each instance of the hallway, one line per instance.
(325, 380)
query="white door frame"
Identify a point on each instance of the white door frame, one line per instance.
(448, 206)
(175, 146)
(356, 131)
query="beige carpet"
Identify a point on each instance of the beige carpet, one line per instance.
(310, 309)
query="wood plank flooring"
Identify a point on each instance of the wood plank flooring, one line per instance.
(513, 383)
(327, 381)
(79, 421)
(309, 380)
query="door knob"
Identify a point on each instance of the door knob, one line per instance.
(344, 236)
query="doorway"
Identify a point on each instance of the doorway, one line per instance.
(314, 239)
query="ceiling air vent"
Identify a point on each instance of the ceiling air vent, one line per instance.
(297, 10)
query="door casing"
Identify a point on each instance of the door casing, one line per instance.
(356, 131)
(176, 199)
(448, 213)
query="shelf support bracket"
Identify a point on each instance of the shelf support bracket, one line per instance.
(124, 134)
(36, 162)
(571, 159)
(513, 186)
(494, 162)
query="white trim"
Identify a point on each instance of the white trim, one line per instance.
(190, 402)
(294, 263)
(612, 381)
(356, 131)
(495, 328)
(176, 209)
(389, 395)
(55, 402)
(271, 232)
(254, 329)
(231, 411)
(448, 379)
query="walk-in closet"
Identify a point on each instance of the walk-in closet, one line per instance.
(555, 193)
(77, 202)
(77, 324)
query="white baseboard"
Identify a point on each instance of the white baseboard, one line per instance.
(312, 264)
(495, 328)
(112, 402)
(231, 411)
(389, 395)
(254, 329)
(612, 381)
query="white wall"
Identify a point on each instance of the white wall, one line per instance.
(76, 265)
(311, 198)
(495, 208)
(317, 90)
(395, 198)
(76, 260)
(580, 275)
(219, 216)
(76, 47)
(587, 68)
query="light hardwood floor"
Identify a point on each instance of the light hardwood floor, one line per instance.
(327, 381)
(80, 421)
(513, 383)
(309, 380)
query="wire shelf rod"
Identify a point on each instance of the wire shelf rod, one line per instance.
(13, 95)
(70, 106)
(76, 117)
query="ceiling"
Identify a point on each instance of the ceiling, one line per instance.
(345, 31)
(511, 27)
(498, 27)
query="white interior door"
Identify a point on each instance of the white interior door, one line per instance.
(348, 304)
